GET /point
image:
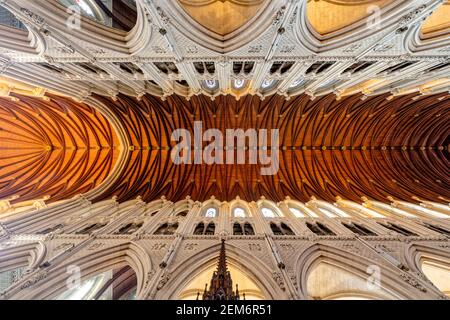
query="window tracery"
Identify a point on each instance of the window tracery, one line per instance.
(239, 213)
(130, 228)
(398, 229)
(268, 213)
(319, 229)
(167, 229)
(205, 229)
(358, 229)
(211, 213)
(281, 229)
(240, 229)
(91, 228)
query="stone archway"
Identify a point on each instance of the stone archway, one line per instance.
(340, 273)
(259, 274)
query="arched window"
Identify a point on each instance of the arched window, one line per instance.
(248, 229)
(120, 14)
(267, 83)
(281, 230)
(320, 229)
(51, 229)
(297, 212)
(10, 276)
(268, 213)
(239, 213)
(358, 229)
(237, 229)
(9, 19)
(183, 213)
(211, 213)
(199, 229)
(239, 83)
(208, 230)
(398, 229)
(276, 229)
(438, 229)
(115, 284)
(243, 229)
(167, 229)
(130, 228)
(211, 84)
(91, 228)
(286, 230)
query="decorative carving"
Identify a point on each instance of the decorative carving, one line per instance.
(158, 246)
(192, 49)
(35, 278)
(383, 47)
(413, 282)
(64, 247)
(353, 48)
(287, 49)
(158, 50)
(254, 247)
(408, 18)
(164, 18)
(351, 247)
(293, 278)
(32, 17)
(95, 246)
(279, 16)
(255, 49)
(163, 281)
(149, 278)
(278, 277)
(287, 247)
(190, 246)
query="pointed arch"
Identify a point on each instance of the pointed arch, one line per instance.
(28, 255)
(347, 34)
(355, 266)
(271, 206)
(244, 205)
(432, 263)
(210, 209)
(251, 266)
(433, 32)
(194, 30)
(90, 265)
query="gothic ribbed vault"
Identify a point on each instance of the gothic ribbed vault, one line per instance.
(56, 148)
(376, 148)
(350, 148)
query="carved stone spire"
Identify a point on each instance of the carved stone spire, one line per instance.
(221, 287)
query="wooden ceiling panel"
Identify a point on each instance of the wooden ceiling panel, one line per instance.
(376, 147)
(55, 148)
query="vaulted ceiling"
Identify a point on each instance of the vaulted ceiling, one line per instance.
(328, 16)
(53, 148)
(375, 147)
(437, 25)
(222, 17)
